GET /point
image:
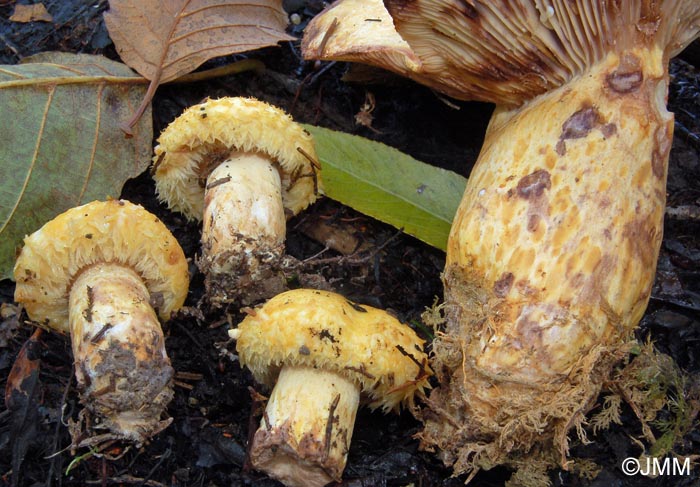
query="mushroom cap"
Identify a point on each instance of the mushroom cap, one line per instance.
(203, 136)
(325, 330)
(502, 51)
(114, 231)
(359, 30)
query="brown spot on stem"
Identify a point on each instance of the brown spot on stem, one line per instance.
(627, 77)
(501, 288)
(533, 221)
(643, 237)
(580, 123)
(662, 147)
(608, 130)
(533, 185)
(529, 331)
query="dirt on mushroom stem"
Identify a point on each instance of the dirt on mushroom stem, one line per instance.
(123, 371)
(243, 232)
(304, 439)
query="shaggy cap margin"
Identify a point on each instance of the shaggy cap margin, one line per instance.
(325, 330)
(205, 134)
(115, 231)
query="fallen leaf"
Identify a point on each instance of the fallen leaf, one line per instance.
(164, 39)
(31, 13)
(388, 185)
(21, 379)
(61, 140)
(22, 400)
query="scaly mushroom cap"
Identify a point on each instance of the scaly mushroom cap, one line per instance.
(203, 136)
(325, 330)
(502, 51)
(115, 231)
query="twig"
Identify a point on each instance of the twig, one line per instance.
(10, 45)
(160, 461)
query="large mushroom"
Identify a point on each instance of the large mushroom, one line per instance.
(552, 253)
(103, 273)
(323, 354)
(242, 167)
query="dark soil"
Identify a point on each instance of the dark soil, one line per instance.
(212, 410)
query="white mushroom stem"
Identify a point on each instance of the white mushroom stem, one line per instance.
(122, 369)
(305, 433)
(244, 219)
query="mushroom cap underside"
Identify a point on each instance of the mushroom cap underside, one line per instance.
(205, 134)
(502, 51)
(326, 330)
(114, 231)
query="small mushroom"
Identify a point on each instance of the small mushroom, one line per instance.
(552, 253)
(242, 167)
(94, 272)
(323, 354)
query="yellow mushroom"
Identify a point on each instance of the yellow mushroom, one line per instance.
(103, 273)
(552, 253)
(242, 167)
(323, 354)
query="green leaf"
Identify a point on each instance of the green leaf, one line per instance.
(388, 185)
(61, 142)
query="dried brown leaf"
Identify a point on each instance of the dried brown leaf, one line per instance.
(23, 400)
(21, 379)
(31, 13)
(164, 39)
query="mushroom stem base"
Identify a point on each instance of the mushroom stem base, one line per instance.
(550, 263)
(305, 433)
(121, 366)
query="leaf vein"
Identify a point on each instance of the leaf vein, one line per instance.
(227, 4)
(34, 159)
(190, 33)
(9, 72)
(95, 140)
(195, 53)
